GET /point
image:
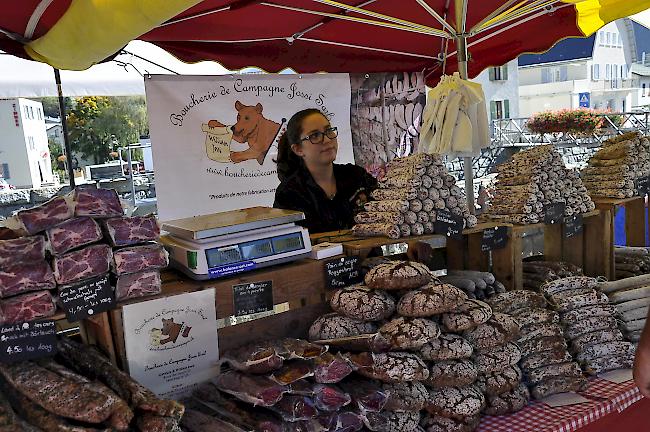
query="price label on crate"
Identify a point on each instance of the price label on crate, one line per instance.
(554, 213)
(449, 224)
(642, 186)
(27, 341)
(573, 226)
(252, 298)
(342, 272)
(494, 238)
(86, 299)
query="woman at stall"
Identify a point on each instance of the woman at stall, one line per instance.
(328, 194)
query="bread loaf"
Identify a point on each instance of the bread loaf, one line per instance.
(466, 316)
(432, 299)
(583, 341)
(567, 369)
(606, 349)
(452, 373)
(496, 359)
(604, 364)
(363, 304)
(507, 403)
(409, 333)
(434, 423)
(391, 367)
(511, 301)
(502, 381)
(405, 396)
(447, 347)
(556, 385)
(456, 403)
(540, 330)
(589, 325)
(532, 317)
(398, 275)
(334, 326)
(498, 330)
(549, 343)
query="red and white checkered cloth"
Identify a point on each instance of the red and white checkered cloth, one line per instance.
(620, 395)
(605, 397)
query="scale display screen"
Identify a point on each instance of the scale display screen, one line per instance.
(255, 249)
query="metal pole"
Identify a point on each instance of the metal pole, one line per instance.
(66, 139)
(130, 161)
(461, 54)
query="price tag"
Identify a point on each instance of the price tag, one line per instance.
(643, 186)
(342, 272)
(449, 225)
(573, 226)
(27, 341)
(252, 298)
(554, 213)
(86, 299)
(494, 238)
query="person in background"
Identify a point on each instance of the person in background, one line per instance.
(328, 194)
(642, 361)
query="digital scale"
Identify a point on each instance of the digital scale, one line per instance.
(222, 244)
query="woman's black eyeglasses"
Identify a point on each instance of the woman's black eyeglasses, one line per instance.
(318, 137)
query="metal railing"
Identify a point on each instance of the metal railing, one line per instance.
(511, 134)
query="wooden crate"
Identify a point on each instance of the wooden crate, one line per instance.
(591, 250)
(299, 287)
(635, 215)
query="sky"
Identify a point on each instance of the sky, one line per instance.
(643, 18)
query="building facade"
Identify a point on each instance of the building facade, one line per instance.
(597, 72)
(501, 88)
(24, 152)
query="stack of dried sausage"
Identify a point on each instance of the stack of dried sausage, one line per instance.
(614, 169)
(80, 390)
(590, 324)
(477, 285)
(537, 273)
(632, 299)
(531, 181)
(413, 190)
(631, 261)
(547, 365)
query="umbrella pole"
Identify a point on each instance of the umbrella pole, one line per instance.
(461, 48)
(66, 139)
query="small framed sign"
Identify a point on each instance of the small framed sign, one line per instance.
(88, 298)
(573, 226)
(449, 224)
(27, 341)
(494, 238)
(252, 298)
(554, 213)
(342, 272)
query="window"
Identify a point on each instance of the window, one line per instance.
(31, 113)
(602, 38)
(40, 114)
(620, 40)
(500, 109)
(608, 71)
(643, 89)
(609, 39)
(595, 72)
(499, 73)
(32, 146)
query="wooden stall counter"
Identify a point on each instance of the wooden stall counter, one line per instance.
(299, 292)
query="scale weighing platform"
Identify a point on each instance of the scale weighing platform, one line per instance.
(222, 244)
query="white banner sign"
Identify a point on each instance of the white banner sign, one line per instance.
(214, 138)
(171, 343)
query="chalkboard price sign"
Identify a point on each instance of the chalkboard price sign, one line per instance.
(27, 341)
(554, 213)
(252, 298)
(494, 238)
(342, 272)
(643, 186)
(86, 299)
(572, 226)
(449, 224)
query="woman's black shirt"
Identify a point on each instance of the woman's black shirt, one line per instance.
(301, 192)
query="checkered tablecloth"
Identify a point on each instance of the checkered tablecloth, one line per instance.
(605, 397)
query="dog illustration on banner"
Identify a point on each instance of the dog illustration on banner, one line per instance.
(251, 128)
(169, 333)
